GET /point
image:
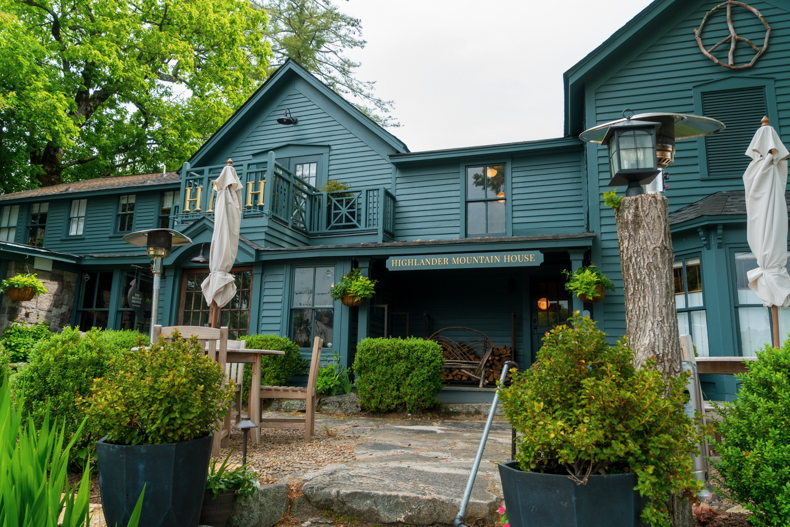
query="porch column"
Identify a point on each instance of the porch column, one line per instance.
(577, 256)
(364, 309)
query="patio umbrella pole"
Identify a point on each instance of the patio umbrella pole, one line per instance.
(459, 520)
(775, 317)
(213, 315)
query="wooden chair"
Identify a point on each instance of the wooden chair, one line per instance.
(308, 395)
(215, 342)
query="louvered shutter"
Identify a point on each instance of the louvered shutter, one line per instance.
(741, 111)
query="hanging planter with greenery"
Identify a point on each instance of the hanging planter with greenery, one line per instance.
(588, 283)
(353, 288)
(23, 287)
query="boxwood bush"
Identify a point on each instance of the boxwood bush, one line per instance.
(754, 467)
(398, 374)
(276, 370)
(61, 370)
(18, 340)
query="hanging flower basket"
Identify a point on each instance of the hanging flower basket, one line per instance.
(21, 294)
(600, 293)
(349, 301)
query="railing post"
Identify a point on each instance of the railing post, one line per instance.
(363, 206)
(382, 209)
(267, 187)
(325, 211)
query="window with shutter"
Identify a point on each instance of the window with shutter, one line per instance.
(741, 111)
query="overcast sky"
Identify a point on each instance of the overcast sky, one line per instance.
(466, 73)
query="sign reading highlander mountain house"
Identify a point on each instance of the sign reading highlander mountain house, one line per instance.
(465, 261)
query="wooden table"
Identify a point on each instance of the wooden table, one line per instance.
(723, 365)
(251, 356)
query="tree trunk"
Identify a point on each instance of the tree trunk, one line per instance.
(648, 284)
(646, 258)
(50, 162)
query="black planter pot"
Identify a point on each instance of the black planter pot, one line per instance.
(174, 476)
(216, 511)
(549, 500)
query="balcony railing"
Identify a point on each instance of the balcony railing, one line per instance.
(272, 190)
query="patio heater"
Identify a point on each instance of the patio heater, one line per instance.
(157, 243)
(642, 146)
(245, 425)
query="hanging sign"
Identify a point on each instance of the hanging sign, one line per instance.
(465, 261)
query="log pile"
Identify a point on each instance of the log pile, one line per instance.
(458, 352)
(501, 355)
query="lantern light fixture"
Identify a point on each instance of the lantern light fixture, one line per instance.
(287, 118)
(632, 154)
(245, 426)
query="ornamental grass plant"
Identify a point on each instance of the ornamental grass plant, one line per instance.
(169, 392)
(583, 409)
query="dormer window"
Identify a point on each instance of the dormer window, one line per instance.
(125, 213)
(37, 224)
(8, 219)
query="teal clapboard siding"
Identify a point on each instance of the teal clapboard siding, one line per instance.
(429, 203)
(661, 74)
(547, 194)
(351, 159)
(99, 233)
(272, 299)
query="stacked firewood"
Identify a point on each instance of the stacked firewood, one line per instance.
(454, 352)
(500, 355)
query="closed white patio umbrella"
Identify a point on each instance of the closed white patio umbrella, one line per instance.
(765, 181)
(220, 287)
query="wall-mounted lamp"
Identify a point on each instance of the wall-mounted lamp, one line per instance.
(200, 259)
(543, 304)
(287, 118)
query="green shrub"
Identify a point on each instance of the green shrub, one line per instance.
(584, 409)
(61, 370)
(34, 462)
(224, 479)
(169, 392)
(398, 374)
(276, 370)
(754, 463)
(333, 378)
(18, 339)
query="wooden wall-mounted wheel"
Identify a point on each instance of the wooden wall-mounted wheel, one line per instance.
(597, 298)
(21, 294)
(349, 301)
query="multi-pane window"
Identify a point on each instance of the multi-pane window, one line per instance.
(312, 313)
(485, 200)
(307, 171)
(8, 219)
(235, 314)
(94, 306)
(690, 304)
(77, 216)
(754, 320)
(134, 311)
(169, 199)
(37, 224)
(125, 213)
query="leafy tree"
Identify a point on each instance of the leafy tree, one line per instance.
(315, 34)
(89, 88)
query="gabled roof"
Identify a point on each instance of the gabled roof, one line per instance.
(92, 185)
(725, 203)
(289, 69)
(622, 41)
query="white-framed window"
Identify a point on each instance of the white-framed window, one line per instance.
(8, 220)
(690, 303)
(77, 216)
(312, 307)
(126, 213)
(755, 325)
(308, 172)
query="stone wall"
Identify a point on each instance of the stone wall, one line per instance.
(54, 307)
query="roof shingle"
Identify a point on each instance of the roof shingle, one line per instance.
(103, 183)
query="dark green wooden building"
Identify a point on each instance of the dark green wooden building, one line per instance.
(473, 237)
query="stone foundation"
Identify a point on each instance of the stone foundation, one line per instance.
(55, 307)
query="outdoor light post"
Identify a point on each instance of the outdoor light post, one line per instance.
(245, 425)
(157, 243)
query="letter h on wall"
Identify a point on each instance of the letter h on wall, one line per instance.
(259, 193)
(189, 199)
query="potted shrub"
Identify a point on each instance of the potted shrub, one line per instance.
(223, 486)
(158, 407)
(588, 283)
(597, 438)
(353, 288)
(22, 287)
